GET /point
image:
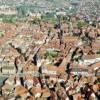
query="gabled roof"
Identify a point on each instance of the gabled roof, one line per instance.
(61, 69)
(20, 90)
(95, 66)
(46, 92)
(51, 68)
(35, 90)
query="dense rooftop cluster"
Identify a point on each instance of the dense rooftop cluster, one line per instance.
(90, 8)
(85, 6)
(50, 61)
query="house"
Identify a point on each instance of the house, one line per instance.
(7, 89)
(21, 91)
(6, 10)
(8, 70)
(10, 81)
(49, 70)
(30, 68)
(61, 69)
(77, 96)
(95, 65)
(12, 53)
(36, 91)
(62, 77)
(88, 60)
(45, 93)
(34, 15)
(28, 81)
(78, 71)
(61, 13)
(36, 82)
(95, 68)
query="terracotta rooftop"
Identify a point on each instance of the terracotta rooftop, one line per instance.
(51, 68)
(35, 90)
(20, 90)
